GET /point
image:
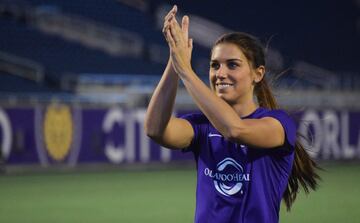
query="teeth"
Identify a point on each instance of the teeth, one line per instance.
(223, 86)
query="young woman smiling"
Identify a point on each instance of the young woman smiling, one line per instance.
(247, 153)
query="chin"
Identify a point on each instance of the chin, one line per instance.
(226, 99)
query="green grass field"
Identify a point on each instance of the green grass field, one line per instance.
(155, 196)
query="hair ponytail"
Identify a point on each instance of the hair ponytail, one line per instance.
(264, 95)
(303, 173)
(304, 168)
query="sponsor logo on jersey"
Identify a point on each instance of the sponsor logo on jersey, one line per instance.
(228, 177)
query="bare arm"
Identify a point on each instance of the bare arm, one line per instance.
(265, 133)
(159, 124)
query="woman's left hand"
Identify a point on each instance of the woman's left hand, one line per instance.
(180, 45)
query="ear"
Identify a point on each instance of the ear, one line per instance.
(259, 74)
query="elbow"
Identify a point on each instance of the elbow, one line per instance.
(149, 131)
(234, 133)
(148, 128)
(154, 136)
(230, 135)
(152, 133)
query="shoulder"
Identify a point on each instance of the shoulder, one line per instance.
(279, 114)
(200, 125)
(288, 123)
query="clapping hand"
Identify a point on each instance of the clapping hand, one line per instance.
(179, 43)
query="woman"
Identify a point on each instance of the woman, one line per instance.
(246, 150)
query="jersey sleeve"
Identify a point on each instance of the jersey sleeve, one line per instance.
(287, 123)
(196, 121)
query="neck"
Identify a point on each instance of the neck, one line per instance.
(245, 108)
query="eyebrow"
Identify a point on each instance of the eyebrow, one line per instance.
(229, 60)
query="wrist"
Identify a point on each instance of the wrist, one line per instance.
(186, 73)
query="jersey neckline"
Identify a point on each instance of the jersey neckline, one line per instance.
(251, 115)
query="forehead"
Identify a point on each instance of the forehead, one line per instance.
(225, 51)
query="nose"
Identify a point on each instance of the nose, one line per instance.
(221, 73)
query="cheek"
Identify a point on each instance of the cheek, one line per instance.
(212, 79)
(244, 79)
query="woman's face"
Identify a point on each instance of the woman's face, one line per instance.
(231, 74)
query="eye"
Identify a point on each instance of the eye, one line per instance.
(232, 65)
(214, 65)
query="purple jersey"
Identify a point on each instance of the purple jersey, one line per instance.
(235, 182)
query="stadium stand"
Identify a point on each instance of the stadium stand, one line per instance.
(116, 41)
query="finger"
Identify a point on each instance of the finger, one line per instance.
(171, 13)
(190, 43)
(164, 31)
(170, 39)
(169, 16)
(168, 19)
(185, 26)
(174, 31)
(166, 27)
(167, 23)
(167, 36)
(175, 26)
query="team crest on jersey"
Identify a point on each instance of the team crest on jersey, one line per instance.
(228, 177)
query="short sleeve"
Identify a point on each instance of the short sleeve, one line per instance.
(287, 123)
(196, 120)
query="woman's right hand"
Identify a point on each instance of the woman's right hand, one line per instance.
(168, 19)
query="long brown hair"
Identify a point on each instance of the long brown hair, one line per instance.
(304, 168)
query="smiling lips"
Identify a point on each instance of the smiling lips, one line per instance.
(222, 86)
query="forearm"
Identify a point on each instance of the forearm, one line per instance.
(219, 113)
(161, 104)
